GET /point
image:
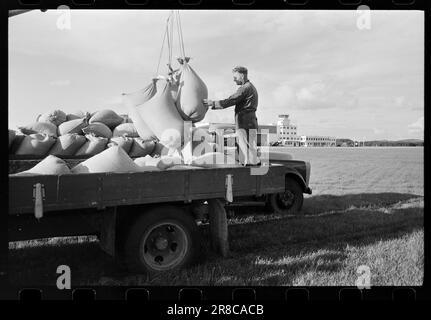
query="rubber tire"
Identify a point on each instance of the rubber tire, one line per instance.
(151, 218)
(294, 187)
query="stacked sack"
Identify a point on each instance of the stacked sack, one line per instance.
(78, 134)
(111, 160)
(155, 126)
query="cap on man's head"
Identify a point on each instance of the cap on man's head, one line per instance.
(240, 69)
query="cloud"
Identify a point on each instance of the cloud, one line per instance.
(310, 64)
(378, 131)
(399, 101)
(60, 83)
(417, 127)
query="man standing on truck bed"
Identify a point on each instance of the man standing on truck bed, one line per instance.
(245, 102)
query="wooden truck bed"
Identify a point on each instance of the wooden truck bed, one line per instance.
(101, 190)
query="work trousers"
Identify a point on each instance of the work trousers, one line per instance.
(246, 137)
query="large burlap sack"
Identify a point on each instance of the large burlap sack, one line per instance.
(214, 160)
(162, 117)
(92, 146)
(141, 148)
(67, 145)
(195, 149)
(47, 128)
(36, 144)
(98, 129)
(107, 117)
(126, 130)
(19, 137)
(123, 142)
(78, 115)
(140, 125)
(198, 145)
(161, 163)
(72, 126)
(56, 117)
(113, 159)
(141, 162)
(191, 92)
(126, 118)
(161, 150)
(12, 135)
(50, 165)
(141, 96)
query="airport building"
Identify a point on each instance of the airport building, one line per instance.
(318, 141)
(287, 131)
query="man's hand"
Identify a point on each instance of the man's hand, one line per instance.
(208, 103)
(212, 104)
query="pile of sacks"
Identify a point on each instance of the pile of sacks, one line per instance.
(80, 134)
(116, 160)
(160, 132)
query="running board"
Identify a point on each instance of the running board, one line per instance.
(246, 204)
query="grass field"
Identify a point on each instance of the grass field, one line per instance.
(352, 219)
(340, 171)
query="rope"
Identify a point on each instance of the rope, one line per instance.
(180, 35)
(169, 37)
(171, 40)
(161, 51)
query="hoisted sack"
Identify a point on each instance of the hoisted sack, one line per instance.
(56, 117)
(123, 142)
(47, 128)
(36, 144)
(12, 135)
(191, 92)
(67, 145)
(141, 148)
(107, 117)
(98, 129)
(163, 118)
(72, 126)
(113, 159)
(141, 96)
(140, 125)
(126, 130)
(92, 146)
(49, 165)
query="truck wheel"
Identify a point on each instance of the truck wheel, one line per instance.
(163, 239)
(288, 202)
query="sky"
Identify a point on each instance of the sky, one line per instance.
(332, 77)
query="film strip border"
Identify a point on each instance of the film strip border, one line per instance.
(207, 294)
(218, 4)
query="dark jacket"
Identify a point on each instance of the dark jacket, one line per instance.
(245, 101)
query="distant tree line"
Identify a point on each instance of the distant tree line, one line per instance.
(380, 143)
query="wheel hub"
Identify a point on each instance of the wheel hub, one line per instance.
(287, 198)
(164, 246)
(161, 243)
